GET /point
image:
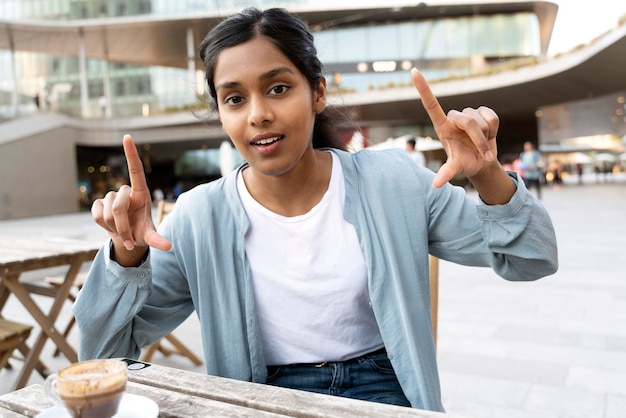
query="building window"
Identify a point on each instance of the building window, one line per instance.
(442, 48)
(120, 88)
(144, 7)
(96, 89)
(122, 9)
(74, 93)
(143, 85)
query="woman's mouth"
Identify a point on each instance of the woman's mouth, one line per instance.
(268, 144)
(267, 141)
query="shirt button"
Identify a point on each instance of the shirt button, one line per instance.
(141, 274)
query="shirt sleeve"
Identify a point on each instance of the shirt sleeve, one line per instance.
(119, 310)
(516, 239)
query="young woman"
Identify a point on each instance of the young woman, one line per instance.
(306, 255)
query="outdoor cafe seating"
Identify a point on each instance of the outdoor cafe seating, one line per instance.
(167, 345)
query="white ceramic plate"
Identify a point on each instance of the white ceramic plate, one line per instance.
(131, 406)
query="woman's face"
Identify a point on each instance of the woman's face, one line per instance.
(266, 106)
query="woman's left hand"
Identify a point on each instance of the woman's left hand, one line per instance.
(468, 137)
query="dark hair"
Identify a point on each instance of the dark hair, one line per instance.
(292, 38)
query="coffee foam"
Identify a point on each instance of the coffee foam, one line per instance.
(91, 378)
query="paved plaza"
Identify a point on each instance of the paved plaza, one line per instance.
(554, 348)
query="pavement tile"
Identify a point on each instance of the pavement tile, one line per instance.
(533, 371)
(601, 340)
(573, 356)
(570, 403)
(615, 406)
(481, 389)
(481, 410)
(596, 380)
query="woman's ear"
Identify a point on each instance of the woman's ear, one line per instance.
(319, 96)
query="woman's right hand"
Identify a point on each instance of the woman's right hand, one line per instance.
(127, 214)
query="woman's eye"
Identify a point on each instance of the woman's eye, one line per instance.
(278, 89)
(233, 100)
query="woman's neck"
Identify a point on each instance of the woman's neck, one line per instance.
(293, 193)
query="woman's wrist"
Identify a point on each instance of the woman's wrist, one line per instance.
(127, 258)
(494, 185)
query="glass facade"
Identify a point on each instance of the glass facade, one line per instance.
(576, 124)
(356, 58)
(372, 57)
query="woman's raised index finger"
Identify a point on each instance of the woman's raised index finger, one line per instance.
(135, 166)
(429, 101)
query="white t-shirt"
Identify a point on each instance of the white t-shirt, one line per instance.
(310, 281)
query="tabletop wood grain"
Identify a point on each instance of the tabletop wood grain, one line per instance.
(181, 393)
(25, 254)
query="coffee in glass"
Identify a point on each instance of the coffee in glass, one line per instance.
(89, 389)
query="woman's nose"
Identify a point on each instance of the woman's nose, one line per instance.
(260, 111)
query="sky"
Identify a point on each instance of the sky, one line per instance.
(579, 22)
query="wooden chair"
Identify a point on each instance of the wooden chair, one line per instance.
(57, 281)
(433, 265)
(12, 334)
(177, 347)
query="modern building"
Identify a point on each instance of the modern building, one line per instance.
(78, 74)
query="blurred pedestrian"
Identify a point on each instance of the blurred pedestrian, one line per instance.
(157, 196)
(531, 165)
(177, 190)
(102, 104)
(556, 170)
(579, 171)
(417, 156)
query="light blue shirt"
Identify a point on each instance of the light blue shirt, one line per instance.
(399, 218)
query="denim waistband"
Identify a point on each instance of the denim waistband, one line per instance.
(326, 363)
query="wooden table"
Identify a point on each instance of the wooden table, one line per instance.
(182, 393)
(19, 255)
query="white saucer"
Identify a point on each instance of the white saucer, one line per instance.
(131, 406)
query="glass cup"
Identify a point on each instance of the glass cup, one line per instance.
(89, 389)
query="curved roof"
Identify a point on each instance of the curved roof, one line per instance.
(155, 40)
(592, 71)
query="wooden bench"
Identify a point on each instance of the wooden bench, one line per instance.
(12, 334)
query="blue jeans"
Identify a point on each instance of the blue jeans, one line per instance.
(369, 378)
